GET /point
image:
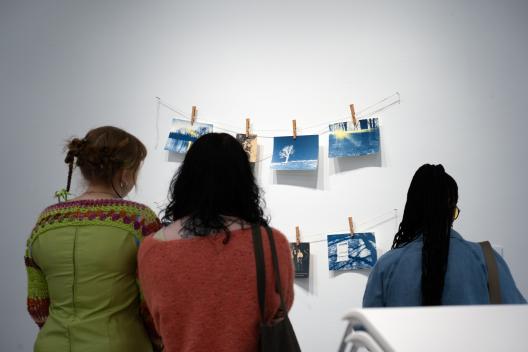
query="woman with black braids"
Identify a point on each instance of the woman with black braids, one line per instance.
(81, 256)
(430, 263)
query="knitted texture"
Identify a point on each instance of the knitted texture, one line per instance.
(202, 293)
(137, 219)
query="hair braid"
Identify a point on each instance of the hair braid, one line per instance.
(70, 172)
(431, 200)
(102, 154)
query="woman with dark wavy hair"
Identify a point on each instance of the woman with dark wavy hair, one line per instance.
(198, 273)
(430, 263)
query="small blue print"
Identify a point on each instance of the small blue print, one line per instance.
(183, 134)
(346, 142)
(347, 252)
(300, 153)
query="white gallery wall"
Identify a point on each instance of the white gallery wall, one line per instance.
(460, 67)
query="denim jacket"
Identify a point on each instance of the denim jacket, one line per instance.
(396, 278)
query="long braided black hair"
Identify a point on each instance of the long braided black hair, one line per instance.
(429, 211)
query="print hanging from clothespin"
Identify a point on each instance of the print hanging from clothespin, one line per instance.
(353, 114)
(193, 115)
(183, 133)
(300, 252)
(295, 152)
(351, 225)
(356, 138)
(297, 235)
(247, 127)
(350, 251)
(249, 143)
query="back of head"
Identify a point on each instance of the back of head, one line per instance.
(103, 153)
(214, 181)
(429, 211)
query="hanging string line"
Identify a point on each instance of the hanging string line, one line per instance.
(364, 225)
(382, 218)
(361, 114)
(158, 105)
(368, 111)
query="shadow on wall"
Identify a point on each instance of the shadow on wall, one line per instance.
(175, 157)
(257, 167)
(355, 163)
(315, 179)
(309, 179)
(309, 284)
(336, 273)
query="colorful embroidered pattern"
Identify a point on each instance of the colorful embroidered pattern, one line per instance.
(136, 218)
(118, 213)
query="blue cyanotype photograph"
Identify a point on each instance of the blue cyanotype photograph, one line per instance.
(183, 134)
(299, 153)
(345, 141)
(350, 252)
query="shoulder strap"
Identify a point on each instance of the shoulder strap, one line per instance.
(493, 273)
(278, 285)
(261, 273)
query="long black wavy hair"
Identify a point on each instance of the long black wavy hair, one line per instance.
(215, 180)
(429, 211)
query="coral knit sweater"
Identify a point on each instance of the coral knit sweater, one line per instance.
(202, 293)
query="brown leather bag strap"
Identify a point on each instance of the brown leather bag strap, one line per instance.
(493, 273)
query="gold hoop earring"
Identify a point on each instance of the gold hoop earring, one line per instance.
(456, 213)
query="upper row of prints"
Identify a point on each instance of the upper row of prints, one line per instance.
(289, 152)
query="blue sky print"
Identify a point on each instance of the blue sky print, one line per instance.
(347, 252)
(300, 153)
(345, 141)
(182, 134)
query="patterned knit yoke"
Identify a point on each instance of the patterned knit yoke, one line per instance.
(81, 266)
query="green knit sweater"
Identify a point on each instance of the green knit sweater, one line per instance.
(82, 277)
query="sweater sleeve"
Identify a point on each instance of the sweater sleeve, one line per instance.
(150, 225)
(38, 300)
(287, 271)
(148, 322)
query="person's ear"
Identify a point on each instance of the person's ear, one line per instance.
(127, 178)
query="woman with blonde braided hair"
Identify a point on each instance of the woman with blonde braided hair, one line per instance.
(81, 255)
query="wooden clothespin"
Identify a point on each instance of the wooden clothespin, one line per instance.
(247, 128)
(297, 235)
(351, 225)
(294, 123)
(193, 115)
(353, 112)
